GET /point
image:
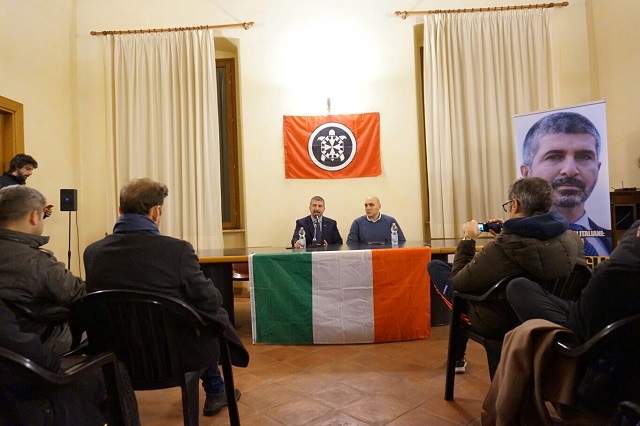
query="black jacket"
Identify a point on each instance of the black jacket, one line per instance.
(330, 231)
(613, 293)
(162, 265)
(7, 179)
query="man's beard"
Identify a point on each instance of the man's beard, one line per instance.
(570, 197)
(21, 177)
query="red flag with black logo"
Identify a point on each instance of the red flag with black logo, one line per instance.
(332, 146)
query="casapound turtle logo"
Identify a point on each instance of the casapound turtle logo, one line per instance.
(332, 146)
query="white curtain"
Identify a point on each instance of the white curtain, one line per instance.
(163, 123)
(480, 69)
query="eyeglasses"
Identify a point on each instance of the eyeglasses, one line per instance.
(504, 206)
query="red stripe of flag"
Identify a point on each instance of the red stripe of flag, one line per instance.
(330, 156)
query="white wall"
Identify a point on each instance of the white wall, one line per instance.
(37, 53)
(54, 67)
(297, 55)
(614, 40)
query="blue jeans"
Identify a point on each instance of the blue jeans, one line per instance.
(212, 380)
(440, 273)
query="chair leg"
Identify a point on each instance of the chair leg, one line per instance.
(117, 413)
(493, 349)
(191, 398)
(454, 331)
(227, 371)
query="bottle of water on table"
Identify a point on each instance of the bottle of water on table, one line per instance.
(394, 234)
(302, 238)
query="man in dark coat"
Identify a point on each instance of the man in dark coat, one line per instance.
(20, 168)
(32, 281)
(316, 225)
(535, 242)
(613, 293)
(137, 257)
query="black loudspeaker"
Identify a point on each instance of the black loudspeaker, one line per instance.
(68, 200)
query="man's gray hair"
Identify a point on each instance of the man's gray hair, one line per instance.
(316, 198)
(534, 195)
(570, 123)
(17, 201)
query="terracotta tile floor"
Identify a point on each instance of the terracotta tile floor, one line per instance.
(378, 384)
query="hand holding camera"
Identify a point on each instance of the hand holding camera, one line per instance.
(496, 227)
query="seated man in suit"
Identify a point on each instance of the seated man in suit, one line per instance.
(316, 226)
(137, 257)
(32, 281)
(373, 227)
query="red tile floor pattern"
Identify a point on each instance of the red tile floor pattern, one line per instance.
(371, 384)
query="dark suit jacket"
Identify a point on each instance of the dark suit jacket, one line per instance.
(162, 265)
(606, 241)
(330, 231)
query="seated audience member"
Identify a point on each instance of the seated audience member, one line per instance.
(137, 257)
(612, 293)
(30, 277)
(534, 241)
(531, 371)
(373, 227)
(81, 402)
(324, 229)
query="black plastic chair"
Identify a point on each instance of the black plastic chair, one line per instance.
(568, 287)
(143, 330)
(627, 414)
(609, 367)
(42, 382)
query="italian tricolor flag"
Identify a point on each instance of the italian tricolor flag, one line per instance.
(355, 296)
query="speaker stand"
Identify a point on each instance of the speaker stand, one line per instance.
(69, 251)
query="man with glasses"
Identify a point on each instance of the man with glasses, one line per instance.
(535, 242)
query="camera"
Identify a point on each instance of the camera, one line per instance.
(485, 227)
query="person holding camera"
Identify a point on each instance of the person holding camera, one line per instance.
(534, 241)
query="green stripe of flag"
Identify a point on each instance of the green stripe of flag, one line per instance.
(283, 320)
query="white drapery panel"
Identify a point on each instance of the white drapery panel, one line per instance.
(163, 123)
(480, 69)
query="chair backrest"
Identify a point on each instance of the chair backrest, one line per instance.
(143, 329)
(570, 286)
(610, 363)
(240, 271)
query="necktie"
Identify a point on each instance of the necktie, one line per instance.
(589, 249)
(319, 235)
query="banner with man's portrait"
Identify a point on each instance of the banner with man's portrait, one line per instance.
(568, 147)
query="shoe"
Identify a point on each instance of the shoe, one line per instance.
(215, 403)
(461, 366)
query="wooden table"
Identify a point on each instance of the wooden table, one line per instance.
(216, 263)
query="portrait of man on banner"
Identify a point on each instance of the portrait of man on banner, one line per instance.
(568, 148)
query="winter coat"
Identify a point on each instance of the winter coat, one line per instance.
(540, 247)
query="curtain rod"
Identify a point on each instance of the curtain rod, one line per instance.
(245, 25)
(404, 14)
